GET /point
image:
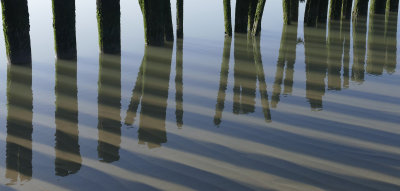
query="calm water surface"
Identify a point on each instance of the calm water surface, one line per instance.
(297, 109)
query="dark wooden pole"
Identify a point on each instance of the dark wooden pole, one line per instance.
(16, 31)
(378, 7)
(64, 29)
(169, 30)
(335, 9)
(154, 21)
(227, 17)
(241, 16)
(109, 23)
(286, 11)
(179, 18)
(258, 18)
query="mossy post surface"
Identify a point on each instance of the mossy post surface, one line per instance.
(109, 26)
(241, 16)
(179, 18)
(169, 29)
(251, 14)
(154, 21)
(335, 10)
(227, 17)
(223, 81)
(258, 18)
(19, 123)
(360, 9)
(109, 108)
(286, 11)
(375, 44)
(66, 119)
(16, 31)
(64, 29)
(294, 10)
(378, 7)
(346, 9)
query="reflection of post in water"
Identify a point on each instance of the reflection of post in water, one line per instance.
(287, 56)
(335, 51)
(16, 31)
(68, 159)
(315, 60)
(19, 123)
(245, 77)
(109, 106)
(109, 26)
(179, 83)
(223, 81)
(376, 44)
(391, 41)
(135, 99)
(294, 10)
(261, 79)
(64, 28)
(345, 40)
(156, 72)
(359, 49)
(227, 17)
(179, 17)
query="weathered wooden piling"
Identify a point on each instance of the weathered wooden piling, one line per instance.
(378, 6)
(335, 9)
(67, 150)
(169, 30)
(360, 9)
(16, 31)
(154, 21)
(346, 9)
(223, 81)
(258, 18)
(311, 12)
(64, 29)
(19, 123)
(156, 72)
(294, 10)
(109, 108)
(392, 6)
(179, 17)
(179, 83)
(227, 17)
(286, 11)
(109, 26)
(251, 14)
(241, 16)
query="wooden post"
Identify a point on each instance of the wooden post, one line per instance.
(64, 29)
(154, 21)
(378, 7)
(335, 9)
(311, 12)
(294, 10)
(16, 31)
(346, 9)
(286, 11)
(179, 17)
(258, 18)
(392, 6)
(251, 14)
(19, 123)
(360, 9)
(322, 11)
(67, 150)
(169, 30)
(227, 17)
(109, 108)
(109, 26)
(241, 16)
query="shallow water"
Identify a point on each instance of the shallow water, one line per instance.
(296, 109)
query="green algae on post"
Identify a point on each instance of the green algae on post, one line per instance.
(360, 9)
(286, 11)
(64, 29)
(154, 21)
(109, 26)
(16, 31)
(258, 17)
(251, 14)
(294, 10)
(179, 18)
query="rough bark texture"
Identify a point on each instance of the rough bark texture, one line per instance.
(392, 6)
(311, 12)
(286, 11)
(66, 119)
(179, 17)
(109, 26)
(251, 14)
(16, 31)
(64, 29)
